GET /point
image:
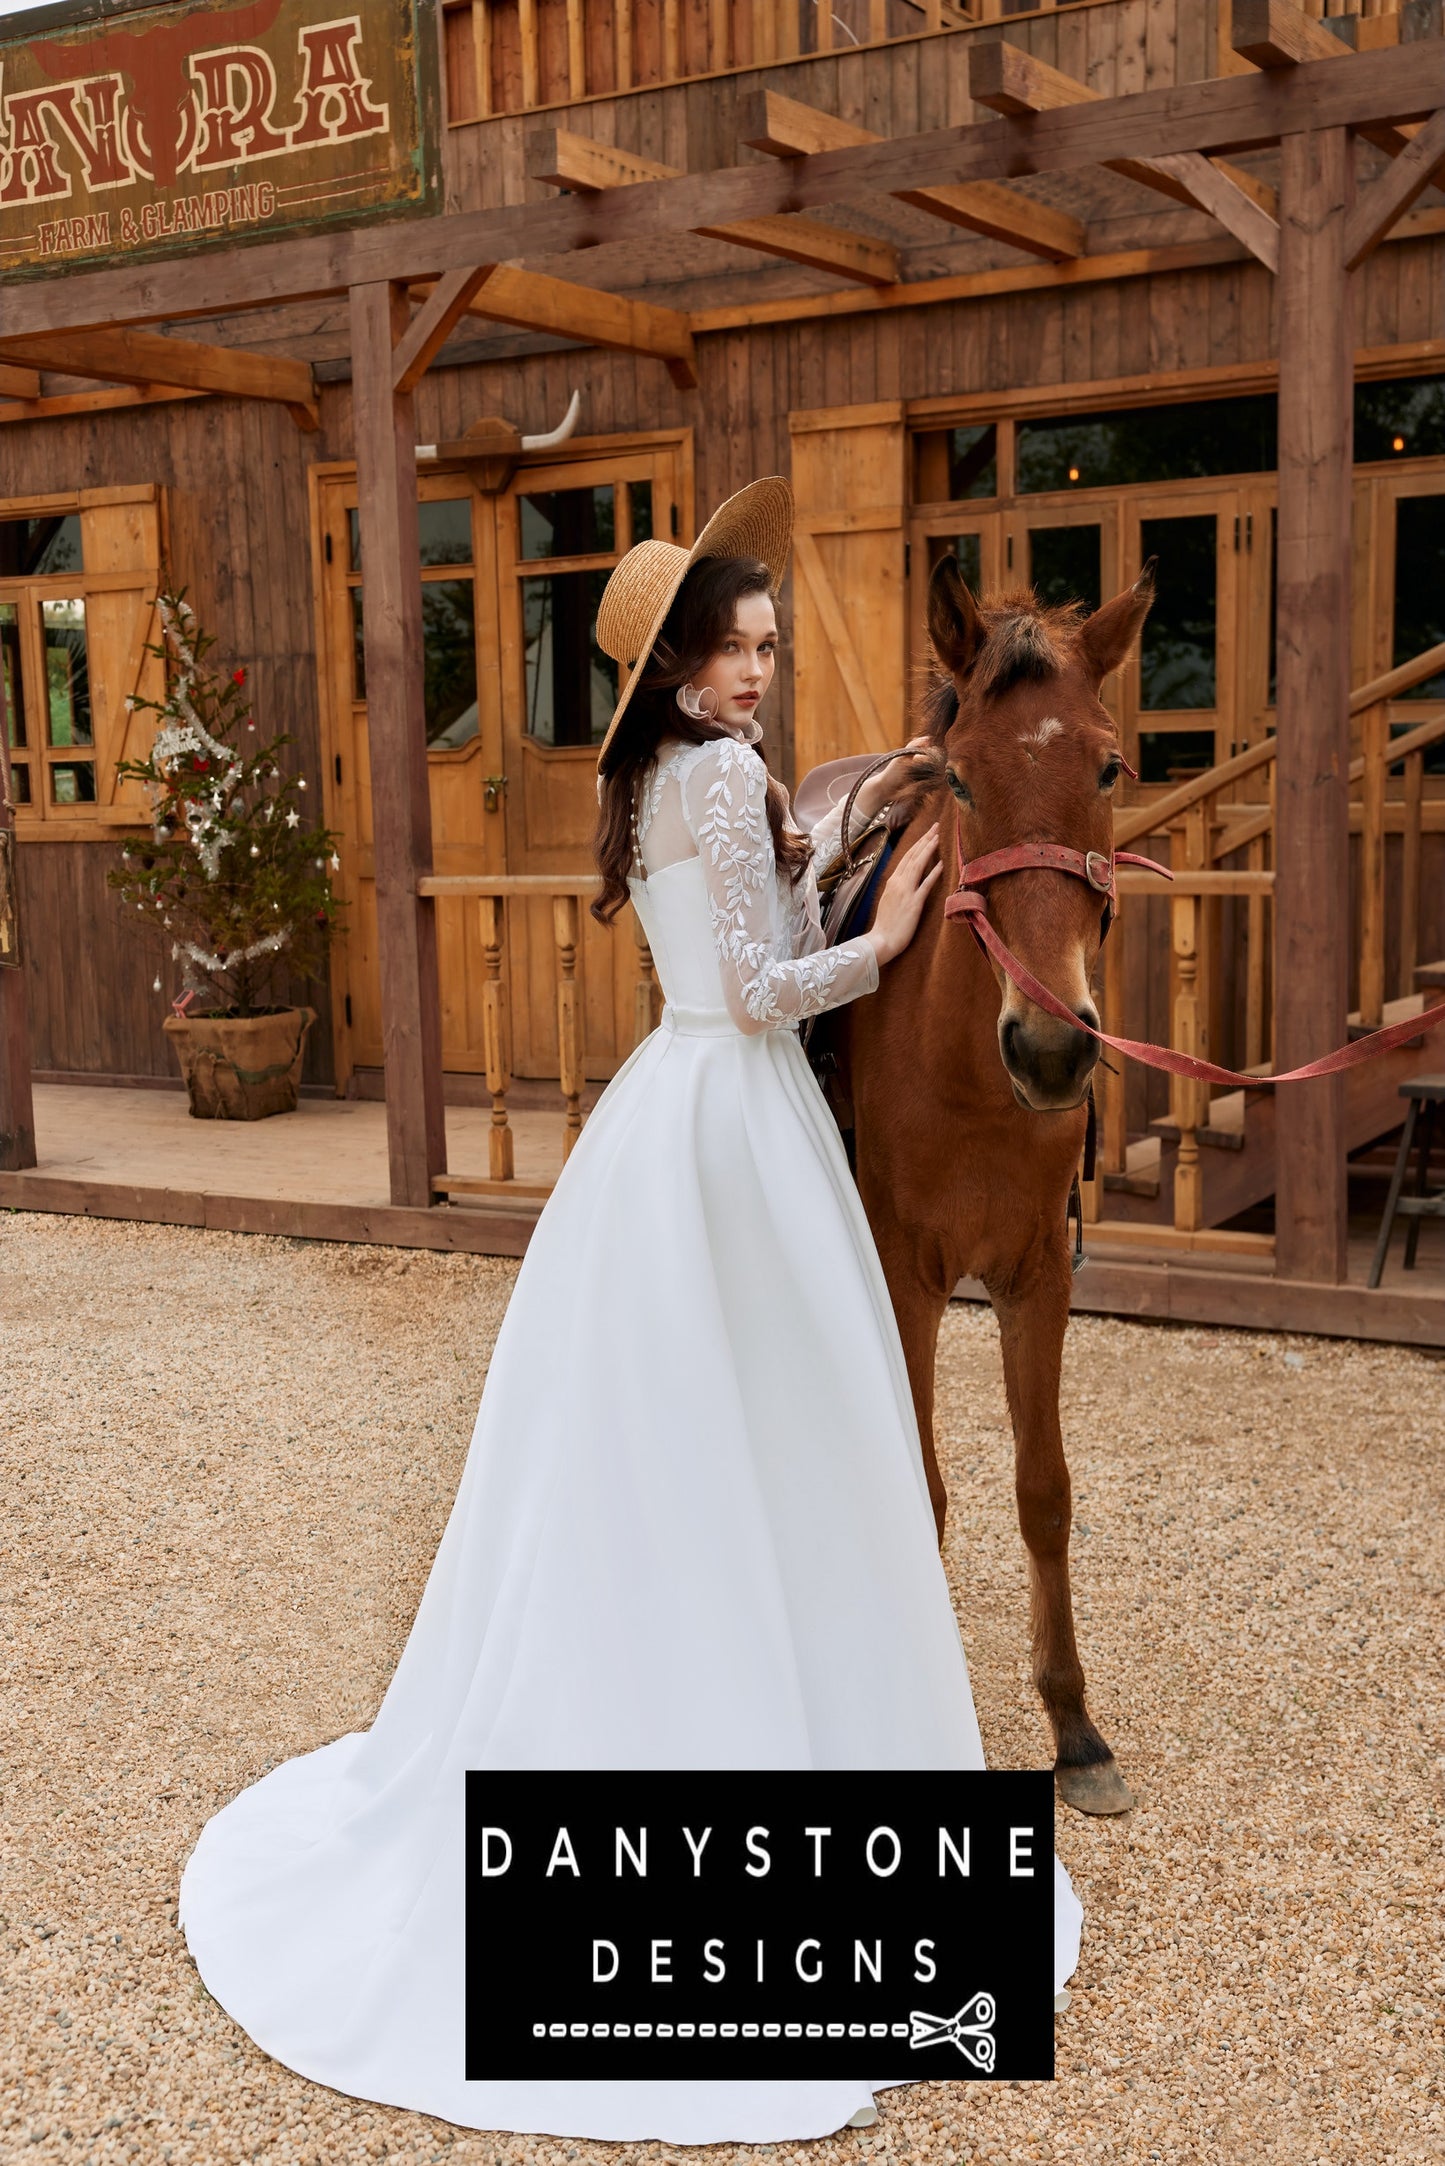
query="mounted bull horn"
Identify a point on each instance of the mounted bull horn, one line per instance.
(560, 434)
(492, 446)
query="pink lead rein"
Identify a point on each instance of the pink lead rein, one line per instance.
(969, 903)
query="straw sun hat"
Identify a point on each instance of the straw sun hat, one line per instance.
(757, 522)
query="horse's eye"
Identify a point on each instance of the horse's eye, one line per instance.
(959, 788)
(1110, 775)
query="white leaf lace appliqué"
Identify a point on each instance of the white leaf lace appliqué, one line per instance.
(775, 965)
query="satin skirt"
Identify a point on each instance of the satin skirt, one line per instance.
(692, 1532)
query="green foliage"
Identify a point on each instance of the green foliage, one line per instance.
(234, 871)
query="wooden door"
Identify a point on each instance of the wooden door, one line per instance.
(1067, 552)
(561, 527)
(1180, 692)
(849, 582)
(463, 722)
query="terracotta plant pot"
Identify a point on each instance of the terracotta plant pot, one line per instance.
(241, 1068)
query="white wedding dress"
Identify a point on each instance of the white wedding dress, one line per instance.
(692, 1532)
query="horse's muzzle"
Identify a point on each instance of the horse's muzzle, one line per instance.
(1048, 1064)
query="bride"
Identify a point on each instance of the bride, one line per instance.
(693, 1530)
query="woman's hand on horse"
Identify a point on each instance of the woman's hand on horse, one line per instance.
(904, 893)
(888, 781)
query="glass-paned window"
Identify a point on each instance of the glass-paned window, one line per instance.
(10, 660)
(444, 530)
(1419, 585)
(571, 685)
(30, 547)
(20, 784)
(1176, 652)
(449, 662)
(639, 502)
(67, 673)
(1065, 564)
(1402, 419)
(966, 548)
(568, 523)
(1148, 444)
(1174, 755)
(72, 782)
(956, 463)
(358, 647)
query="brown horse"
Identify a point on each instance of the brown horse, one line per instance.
(971, 1103)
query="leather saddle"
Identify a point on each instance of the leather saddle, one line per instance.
(847, 893)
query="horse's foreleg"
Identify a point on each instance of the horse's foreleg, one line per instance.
(1033, 1316)
(919, 1312)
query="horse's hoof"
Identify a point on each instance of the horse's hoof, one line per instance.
(1099, 1788)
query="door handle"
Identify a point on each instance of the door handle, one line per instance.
(493, 787)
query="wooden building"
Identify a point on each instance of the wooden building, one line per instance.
(1057, 369)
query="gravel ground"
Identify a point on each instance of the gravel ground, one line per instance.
(227, 1461)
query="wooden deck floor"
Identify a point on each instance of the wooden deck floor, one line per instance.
(321, 1174)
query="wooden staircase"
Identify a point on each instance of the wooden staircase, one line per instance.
(1178, 1182)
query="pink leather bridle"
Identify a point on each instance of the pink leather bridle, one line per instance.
(969, 903)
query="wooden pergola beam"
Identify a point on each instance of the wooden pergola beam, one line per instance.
(1250, 111)
(1386, 200)
(433, 324)
(1275, 34)
(534, 302)
(1009, 80)
(785, 128)
(147, 357)
(17, 382)
(576, 163)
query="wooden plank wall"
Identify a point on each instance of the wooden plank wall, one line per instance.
(235, 474)
(238, 538)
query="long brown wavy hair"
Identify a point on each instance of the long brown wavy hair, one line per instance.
(702, 615)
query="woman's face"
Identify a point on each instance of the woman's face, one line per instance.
(742, 669)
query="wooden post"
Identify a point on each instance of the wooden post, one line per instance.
(1190, 1099)
(1113, 1111)
(1312, 886)
(576, 51)
(385, 429)
(482, 58)
(1410, 872)
(1255, 952)
(569, 1036)
(496, 1037)
(1374, 744)
(17, 1099)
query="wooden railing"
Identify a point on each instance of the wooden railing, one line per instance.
(493, 892)
(1220, 829)
(513, 56)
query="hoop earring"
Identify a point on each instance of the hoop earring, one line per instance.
(693, 703)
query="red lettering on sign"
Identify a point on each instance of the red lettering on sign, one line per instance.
(333, 101)
(238, 91)
(31, 171)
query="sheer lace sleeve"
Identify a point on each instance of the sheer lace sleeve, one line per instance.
(767, 983)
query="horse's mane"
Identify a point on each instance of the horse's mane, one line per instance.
(1025, 640)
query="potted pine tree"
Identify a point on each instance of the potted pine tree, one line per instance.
(235, 872)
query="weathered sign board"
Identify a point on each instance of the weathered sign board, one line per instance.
(137, 130)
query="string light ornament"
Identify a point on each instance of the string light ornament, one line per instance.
(230, 851)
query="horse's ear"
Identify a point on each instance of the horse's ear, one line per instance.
(1107, 636)
(954, 624)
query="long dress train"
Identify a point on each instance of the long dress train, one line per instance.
(692, 1532)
